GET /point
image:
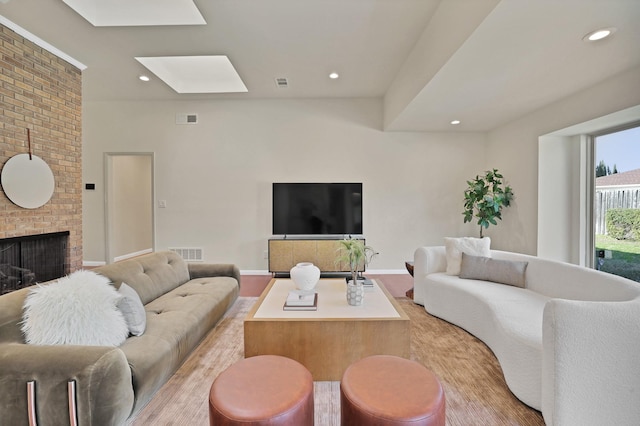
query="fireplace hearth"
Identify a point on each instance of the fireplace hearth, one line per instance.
(31, 259)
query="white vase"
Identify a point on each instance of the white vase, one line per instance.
(355, 293)
(305, 275)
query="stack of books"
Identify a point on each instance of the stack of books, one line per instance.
(364, 281)
(301, 301)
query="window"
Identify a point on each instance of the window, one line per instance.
(616, 209)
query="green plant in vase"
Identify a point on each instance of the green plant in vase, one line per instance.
(485, 197)
(355, 253)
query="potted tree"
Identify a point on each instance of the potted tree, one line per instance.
(356, 254)
(485, 197)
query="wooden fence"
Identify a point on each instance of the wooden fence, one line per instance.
(613, 198)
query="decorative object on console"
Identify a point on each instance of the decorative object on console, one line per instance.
(454, 248)
(305, 275)
(79, 309)
(485, 197)
(356, 254)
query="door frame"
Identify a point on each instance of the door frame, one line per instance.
(107, 211)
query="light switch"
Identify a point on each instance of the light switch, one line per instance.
(162, 204)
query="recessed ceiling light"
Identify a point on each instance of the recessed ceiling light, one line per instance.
(144, 78)
(334, 75)
(454, 122)
(599, 34)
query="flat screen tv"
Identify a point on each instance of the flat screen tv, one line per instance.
(317, 208)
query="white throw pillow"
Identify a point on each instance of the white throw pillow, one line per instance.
(454, 248)
(132, 309)
(79, 309)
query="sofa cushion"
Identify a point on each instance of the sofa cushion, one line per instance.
(132, 309)
(508, 319)
(176, 323)
(79, 309)
(456, 246)
(508, 272)
(151, 275)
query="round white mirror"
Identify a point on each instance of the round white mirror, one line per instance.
(28, 182)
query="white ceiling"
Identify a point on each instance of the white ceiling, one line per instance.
(484, 62)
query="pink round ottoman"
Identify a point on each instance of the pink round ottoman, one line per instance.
(265, 390)
(389, 390)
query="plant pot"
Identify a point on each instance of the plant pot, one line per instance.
(355, 293)
(305, 275)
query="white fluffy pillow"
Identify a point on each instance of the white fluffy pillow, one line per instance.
(79, 309)
(454, 248)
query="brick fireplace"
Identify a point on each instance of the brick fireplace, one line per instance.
(42, 92)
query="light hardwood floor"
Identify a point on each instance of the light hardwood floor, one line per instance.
(475, 389)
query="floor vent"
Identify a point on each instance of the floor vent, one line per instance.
(282, 82)
(190, 254)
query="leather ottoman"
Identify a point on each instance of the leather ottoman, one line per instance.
(265, 390)
(389, 390)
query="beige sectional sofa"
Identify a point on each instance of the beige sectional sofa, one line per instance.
(183, 302)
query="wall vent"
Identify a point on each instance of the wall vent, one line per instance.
(282, 82)
(186, 118)
(190, 254)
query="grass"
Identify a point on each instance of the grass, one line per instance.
(625, 257)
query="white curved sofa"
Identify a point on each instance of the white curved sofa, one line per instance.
(568, 343)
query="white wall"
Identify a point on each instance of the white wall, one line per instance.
(216, 176)
(513, 148)
(559, 163)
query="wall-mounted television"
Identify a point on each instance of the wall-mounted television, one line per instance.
(317, 208)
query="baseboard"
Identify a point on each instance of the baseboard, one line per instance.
(131, 255)
(368, 271)
(386, 271)
(254, 272)
(93, 263)
(264, 272)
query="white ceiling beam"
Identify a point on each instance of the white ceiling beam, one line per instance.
(451, 25)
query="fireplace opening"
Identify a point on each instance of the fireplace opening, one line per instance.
(32, 259)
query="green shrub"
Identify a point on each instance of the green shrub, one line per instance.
(623, 224)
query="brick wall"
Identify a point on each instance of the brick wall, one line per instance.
(42, 92)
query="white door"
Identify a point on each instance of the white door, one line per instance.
(129, 205)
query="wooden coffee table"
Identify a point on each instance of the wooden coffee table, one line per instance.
(330, 339)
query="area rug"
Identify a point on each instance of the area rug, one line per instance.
(475, 390)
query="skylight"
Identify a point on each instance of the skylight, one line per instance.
(196, 74)
(121, 13)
